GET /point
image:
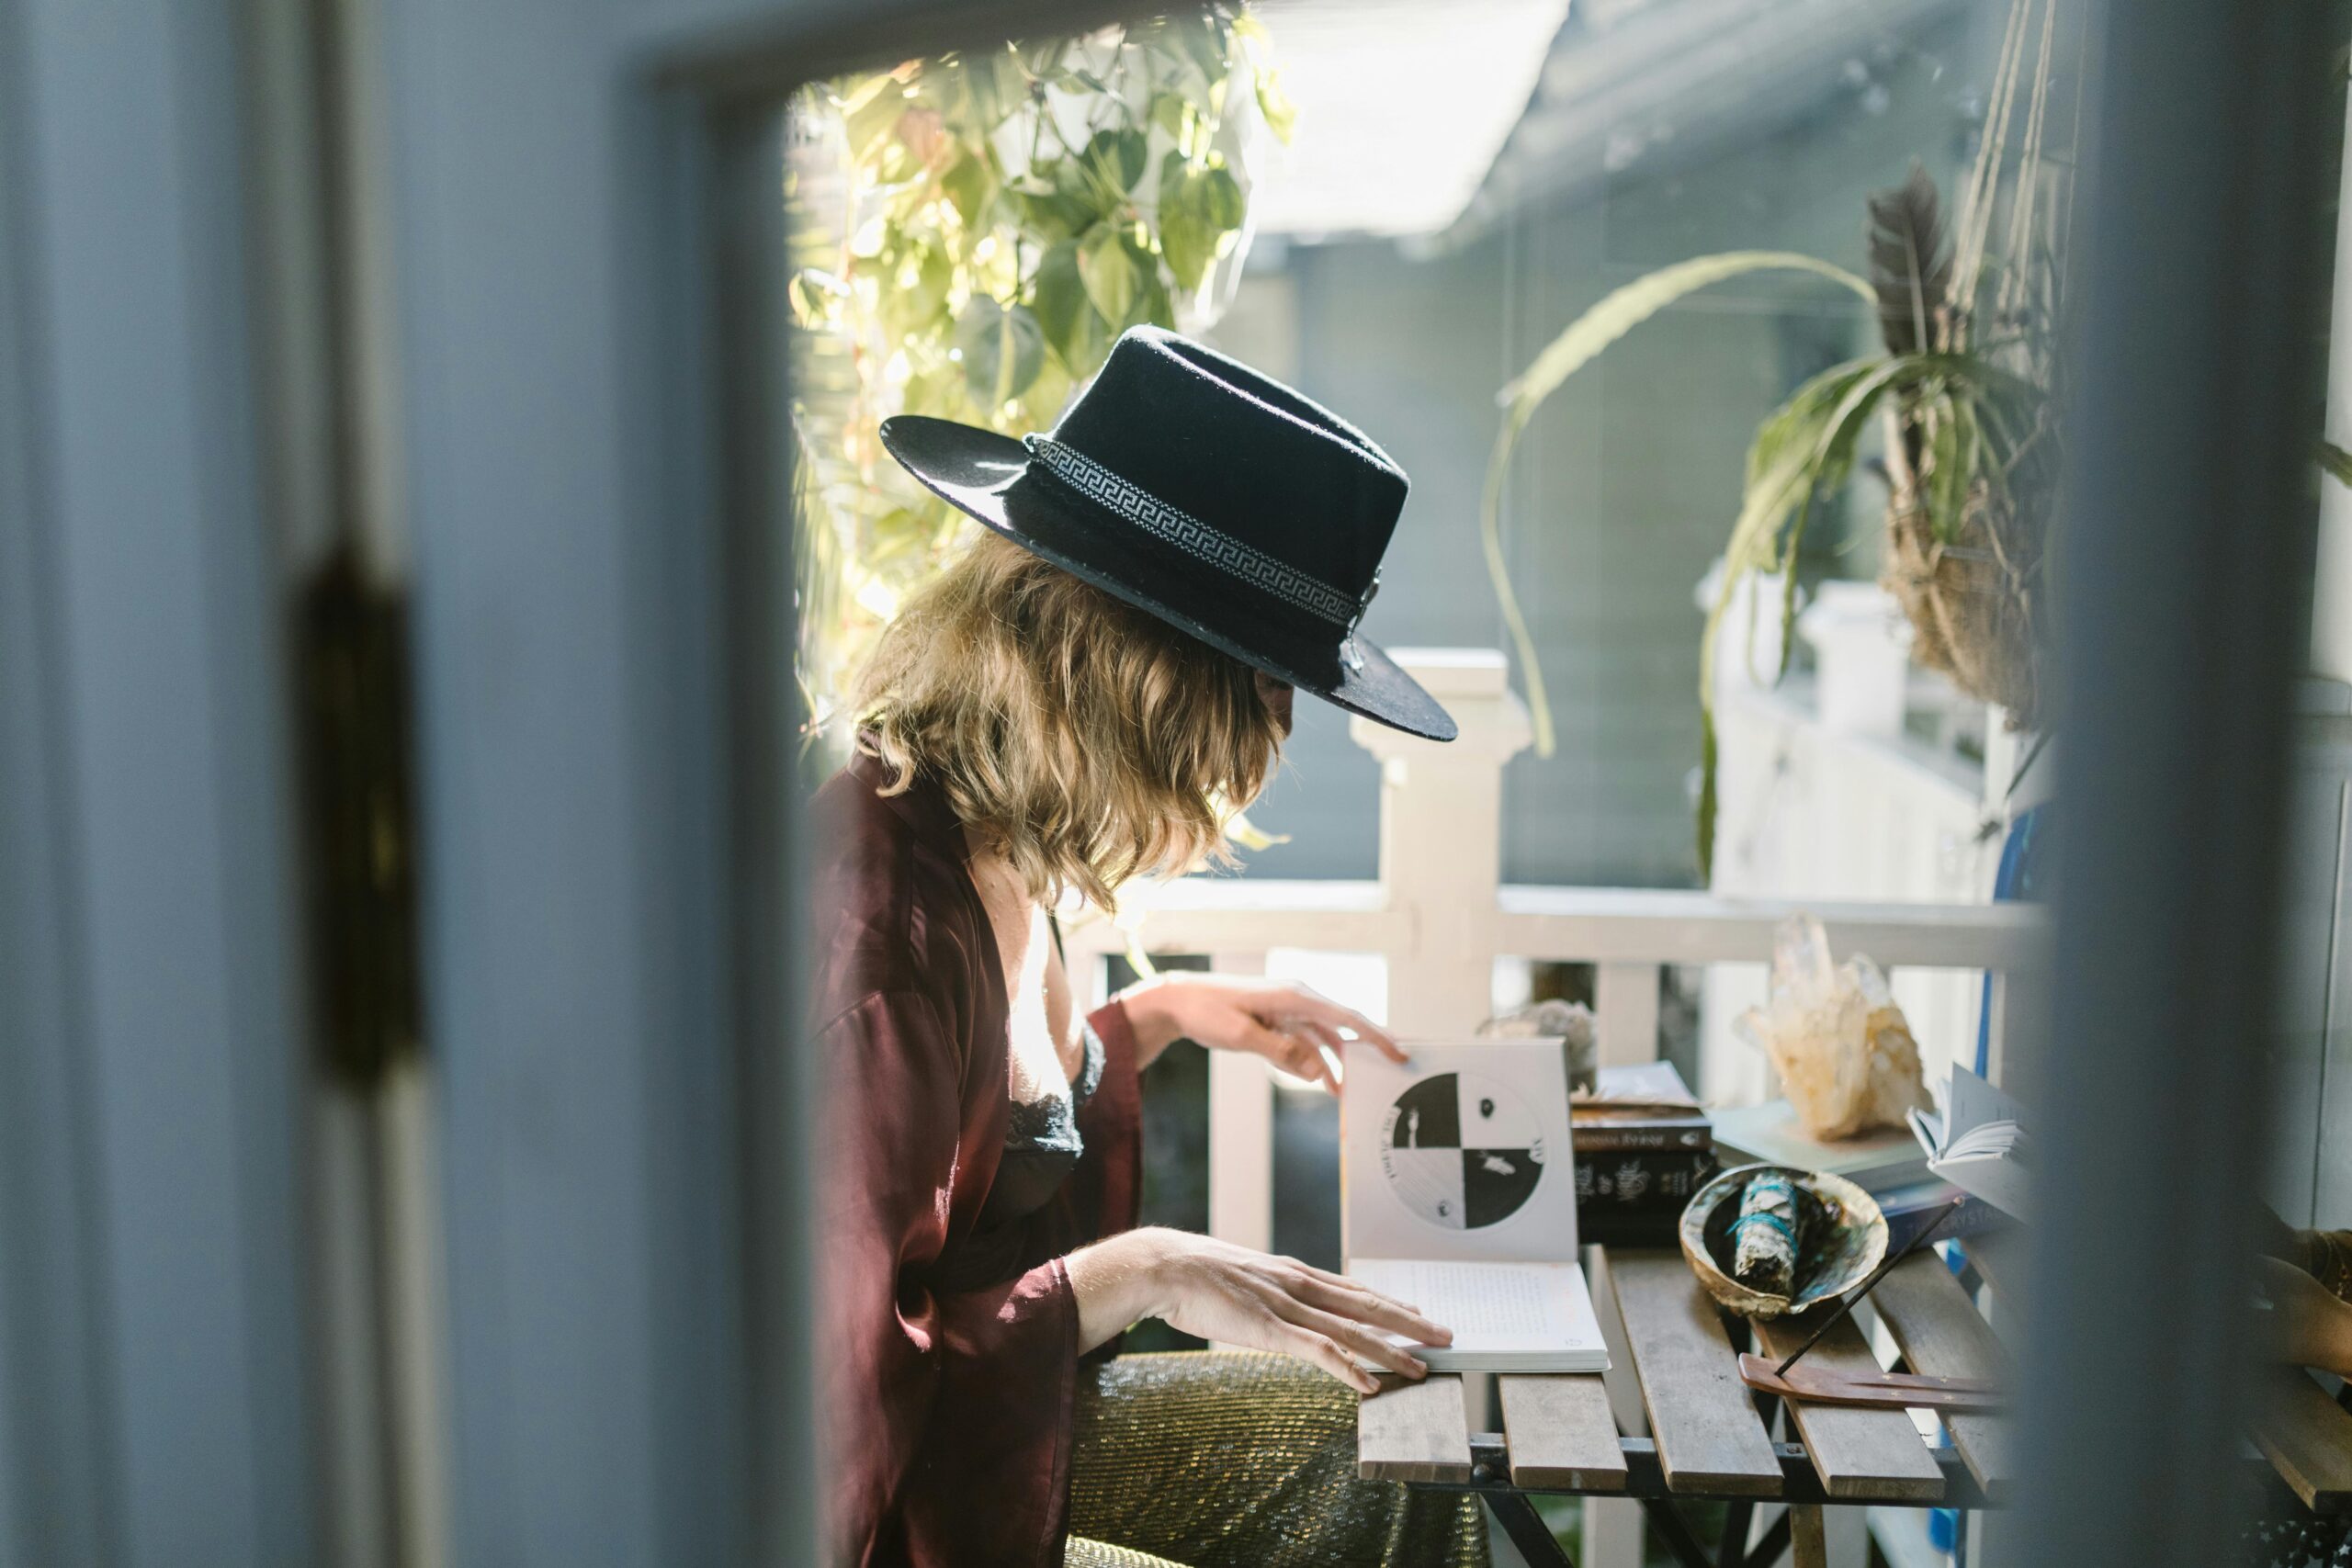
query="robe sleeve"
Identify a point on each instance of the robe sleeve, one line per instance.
(1111, 1123)
(949, 1412)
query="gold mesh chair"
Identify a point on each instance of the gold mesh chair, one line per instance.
(1236, 1460)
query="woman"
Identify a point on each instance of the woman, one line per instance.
(1077, 701)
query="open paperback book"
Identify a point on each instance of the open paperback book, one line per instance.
(1979, 1142)
(1459, 1197)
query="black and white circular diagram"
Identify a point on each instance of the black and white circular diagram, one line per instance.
(1461, 1151)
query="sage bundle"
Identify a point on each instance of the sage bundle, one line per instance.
(1764, 1238)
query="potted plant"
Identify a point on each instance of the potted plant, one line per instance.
(1963, 383)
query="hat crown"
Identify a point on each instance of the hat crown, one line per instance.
(1238, 454)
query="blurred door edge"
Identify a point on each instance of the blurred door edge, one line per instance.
(581, 214)
(154, 1387)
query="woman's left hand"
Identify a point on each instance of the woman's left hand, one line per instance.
(1296, 1028)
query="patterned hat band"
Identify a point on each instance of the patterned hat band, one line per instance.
(1173, 525)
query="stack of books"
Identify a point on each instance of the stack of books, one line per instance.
(1911, 1208)
(1876, 1162)
(1642, 1147)
(1895, 1165)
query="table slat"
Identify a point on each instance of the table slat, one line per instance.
(1942, 1334)
(2307, 1436)
(1413, 1431)
(1858, 1452)
(1709, 1438)
(1561, 1435)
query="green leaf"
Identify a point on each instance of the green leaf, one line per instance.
(1007, 88)
(1116, 158)
(816, 297)
(1707, 805)
(1200, 206)
(872, 114)
(1173, 114)
(1047, 211)
(926, 297)
(1000, 350)
(1622, 309)
(1207, 44)
(1073, 328)
(1249, 835)
(1800, 424)
(970, 185)
(1157, 309)
(1109, 271)
(1190, 44)
(2336, 461)
(1951, 464)
(1585, 339)
(1274, 106)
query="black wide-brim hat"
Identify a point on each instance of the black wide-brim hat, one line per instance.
(1222, 501)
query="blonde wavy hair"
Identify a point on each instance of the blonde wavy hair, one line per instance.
(1086, 741)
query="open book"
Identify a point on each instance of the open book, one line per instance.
(1978, 1143)
(1459, 1198)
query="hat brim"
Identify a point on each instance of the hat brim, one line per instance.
(986, 476)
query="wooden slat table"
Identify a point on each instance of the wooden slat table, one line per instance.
(1561, 1436)
(1710, 1438)
(1859, 1454)
(1941, 1333)
(1411, 1431)
(2307, 1438)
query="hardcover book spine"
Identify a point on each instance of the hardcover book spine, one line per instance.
(1608, 1138)
(1640, 1179)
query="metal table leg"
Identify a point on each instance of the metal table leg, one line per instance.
(1667, 1519)
(1526, 1528)
(1732, 1551)
(1769, 1545)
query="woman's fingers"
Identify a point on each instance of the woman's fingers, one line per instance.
(1355, 1339)
(1292, 1052)
(1370, 1306)
(1322, 1351)
(1316, 1008)
(1358, 1287)
(1329, 1045)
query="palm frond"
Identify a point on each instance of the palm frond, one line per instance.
(1585, 339)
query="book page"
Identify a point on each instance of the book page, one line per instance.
(1539, 1310)
(1461, 1152)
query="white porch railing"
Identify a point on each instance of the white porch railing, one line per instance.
(1440, 918)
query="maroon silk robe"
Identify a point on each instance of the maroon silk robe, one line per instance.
(949, 1352)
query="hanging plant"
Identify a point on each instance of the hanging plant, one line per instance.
(1964, 387)
(1000, 217)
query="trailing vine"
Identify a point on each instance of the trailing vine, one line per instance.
(976, 230)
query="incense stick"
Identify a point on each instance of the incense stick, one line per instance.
(1846, 1303)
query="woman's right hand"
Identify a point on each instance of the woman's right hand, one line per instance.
(1231, 1294)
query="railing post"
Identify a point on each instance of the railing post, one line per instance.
(1625, 1004)
(1242, 1134)
(1441, 837)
